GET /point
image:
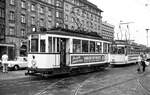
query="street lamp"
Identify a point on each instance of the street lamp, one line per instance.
(147, 35)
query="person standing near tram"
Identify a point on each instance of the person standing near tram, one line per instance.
(4, 62)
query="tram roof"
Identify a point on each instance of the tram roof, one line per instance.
(67, 32)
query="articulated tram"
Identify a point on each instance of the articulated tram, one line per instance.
(60, 51)
(124, 52)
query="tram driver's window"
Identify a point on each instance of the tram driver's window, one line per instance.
(42, 45)
(34, 45)
(76, 46)
(84, 46)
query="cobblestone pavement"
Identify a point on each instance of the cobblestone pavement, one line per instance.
(113, 81)
(121, 83)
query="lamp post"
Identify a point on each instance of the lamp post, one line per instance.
(147, 35)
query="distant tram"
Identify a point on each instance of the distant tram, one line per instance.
(60, 51)
(124, 52)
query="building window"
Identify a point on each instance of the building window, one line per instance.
(12, 2)
(41, 9)
(23, 19)
(12, 16)
(58, 14)
(41, 22)
(23, 32)
(33, 20)
(49, 12)
(98, 27)
(11, 31)
(72, 20)
(58, 3)
(49, 24)
(32, 7)
(66, 26)
(57, 24)
(2, 13)
(49, 1)
(23, 4)
(66, 17)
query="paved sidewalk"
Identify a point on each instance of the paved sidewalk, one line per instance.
(13, 75)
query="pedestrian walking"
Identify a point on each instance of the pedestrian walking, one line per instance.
(139, 69)
(4, 62)
(143, 56)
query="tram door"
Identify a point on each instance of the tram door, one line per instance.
(62, 52)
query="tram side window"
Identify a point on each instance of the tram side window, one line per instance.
(34, 45)
(50, 44)
(98, 47)
(84, 46)
(92, 46)
(42, 45)
(76, 46)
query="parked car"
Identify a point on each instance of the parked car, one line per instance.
(18, 63)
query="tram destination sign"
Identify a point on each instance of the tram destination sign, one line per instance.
(77, 59)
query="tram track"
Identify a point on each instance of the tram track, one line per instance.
(141, 84)
(84, 78)
(44, 90)
(137, 78)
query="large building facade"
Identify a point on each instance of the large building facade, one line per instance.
(25, 16)
(107, 31)
(2, 21)
(83, 15)
(22, 16)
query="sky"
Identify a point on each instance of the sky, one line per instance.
(133, 12)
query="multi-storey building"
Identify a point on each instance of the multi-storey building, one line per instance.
(24, 16)
(107, 31)
(82, 14)
(2, 21)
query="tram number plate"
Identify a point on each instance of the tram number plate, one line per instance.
(77, 59)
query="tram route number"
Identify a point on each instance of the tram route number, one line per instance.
(77, 59)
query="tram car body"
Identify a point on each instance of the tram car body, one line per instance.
(124, 52)
(59, 51)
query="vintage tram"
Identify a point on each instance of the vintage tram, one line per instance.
(125, 52)
(59, 51)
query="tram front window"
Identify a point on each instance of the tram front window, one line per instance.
(42, 45)
(34, 45)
